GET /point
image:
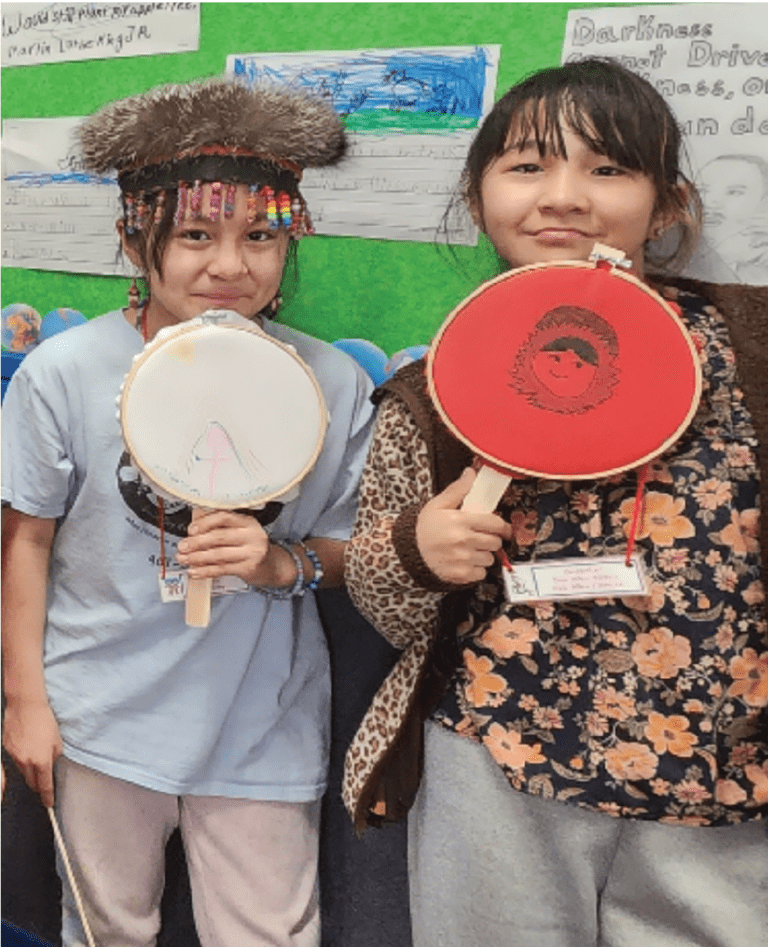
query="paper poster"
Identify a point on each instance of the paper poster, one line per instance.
(55, 215)
(710, 62)
(36, 33)
(411, 115)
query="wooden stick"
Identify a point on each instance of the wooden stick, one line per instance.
(198, 605)
(70, 876)
(486, 491)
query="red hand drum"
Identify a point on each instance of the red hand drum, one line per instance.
(566, 371)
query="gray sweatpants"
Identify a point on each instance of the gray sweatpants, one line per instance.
(491, 866)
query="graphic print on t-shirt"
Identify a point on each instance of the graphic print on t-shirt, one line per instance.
(142, 500)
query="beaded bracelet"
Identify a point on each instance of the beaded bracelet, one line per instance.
(316, 565)
(298, 586)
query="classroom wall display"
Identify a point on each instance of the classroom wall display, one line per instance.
(410, 114)
(394, 293)
(710, 62)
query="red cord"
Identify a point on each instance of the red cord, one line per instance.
(642, 476)
(161, 524)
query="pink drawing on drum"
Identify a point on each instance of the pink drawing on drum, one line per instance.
(215, 447)
(569, 362)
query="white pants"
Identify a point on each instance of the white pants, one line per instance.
(252, 865)
(491, 866)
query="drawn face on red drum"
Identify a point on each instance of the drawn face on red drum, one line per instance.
(569, 363)
(566, 366)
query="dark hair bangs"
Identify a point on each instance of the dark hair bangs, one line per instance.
(614, 125)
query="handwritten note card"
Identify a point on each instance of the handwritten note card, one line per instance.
(36, 33)
(710, 62)
(411, 115)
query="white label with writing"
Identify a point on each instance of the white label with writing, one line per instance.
(173, 586)
(571, 579)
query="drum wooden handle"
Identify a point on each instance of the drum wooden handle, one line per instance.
(486, 491)
(198, 605)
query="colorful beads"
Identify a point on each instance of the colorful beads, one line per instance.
(181, 205)
(196, 200)
(284, 209)
(281, 209)
(214, 202)
(159, 206)
(253, 203)
(297, 214)
(229, 201)
(269, 197)
(130, 214)
(141, 211)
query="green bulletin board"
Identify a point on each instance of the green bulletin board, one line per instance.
(393, 293)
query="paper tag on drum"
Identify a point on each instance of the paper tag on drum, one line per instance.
(173, 586)
(554, 580)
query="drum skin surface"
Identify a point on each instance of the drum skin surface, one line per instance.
(565, 371)
(222, 416)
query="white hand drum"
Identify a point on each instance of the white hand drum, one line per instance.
(568, 371)
(218, 414)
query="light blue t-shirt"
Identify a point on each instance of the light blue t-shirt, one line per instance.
(238, 709)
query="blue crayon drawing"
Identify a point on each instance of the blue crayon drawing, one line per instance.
(395, 90)
(32, 179)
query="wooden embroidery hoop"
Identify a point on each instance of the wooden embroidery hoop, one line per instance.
(218, 414)
(485, 398)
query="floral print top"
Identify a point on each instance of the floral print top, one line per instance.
(650, 707)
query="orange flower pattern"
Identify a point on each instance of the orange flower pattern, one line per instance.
(483, 687)
(506, 637)
(653, 708)
(659, 653)
(750, 677)
(661, 519)
(670, 734)
(507, 748)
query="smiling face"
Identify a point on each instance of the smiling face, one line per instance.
(563, 371)
(542, 209)
(228, 263)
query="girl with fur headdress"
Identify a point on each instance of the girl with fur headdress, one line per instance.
(127, 721)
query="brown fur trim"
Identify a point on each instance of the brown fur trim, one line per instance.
(273, 122)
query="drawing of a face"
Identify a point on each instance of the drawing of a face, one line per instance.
(566, 367)
(732, 190)
(569, 362)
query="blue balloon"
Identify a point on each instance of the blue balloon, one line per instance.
(57, 320)
(404, 357)
(367, 355)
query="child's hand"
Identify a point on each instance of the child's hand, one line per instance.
(457, 545)
(225, 543)
(31, 737)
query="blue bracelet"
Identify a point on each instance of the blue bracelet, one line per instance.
(317, 578)
(298, 586)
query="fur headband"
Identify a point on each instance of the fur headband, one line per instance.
(286, 128)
